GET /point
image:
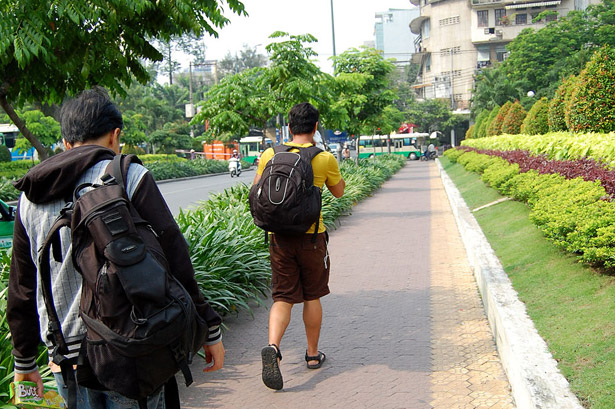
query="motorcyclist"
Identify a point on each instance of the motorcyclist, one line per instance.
(237, 159)
(430, 152)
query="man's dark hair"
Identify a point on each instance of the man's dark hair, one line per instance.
(89, 116)
(302, 118)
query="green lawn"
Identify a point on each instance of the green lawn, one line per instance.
(571, 304)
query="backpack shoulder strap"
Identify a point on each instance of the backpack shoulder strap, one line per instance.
(281, 148)
(310, 152)
(118, 168)
(52, 241)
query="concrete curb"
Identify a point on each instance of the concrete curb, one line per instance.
(532, 372)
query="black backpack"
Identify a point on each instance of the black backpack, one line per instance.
(285, 199)
(142, 325)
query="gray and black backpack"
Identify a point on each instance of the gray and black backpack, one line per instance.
(285, 199)
(142, 325)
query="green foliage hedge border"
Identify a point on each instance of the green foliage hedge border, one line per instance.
(570, 212)
(555, 145)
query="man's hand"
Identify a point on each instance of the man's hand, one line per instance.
(214, 355)
(32, 377)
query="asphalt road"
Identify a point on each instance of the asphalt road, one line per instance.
(187, 193)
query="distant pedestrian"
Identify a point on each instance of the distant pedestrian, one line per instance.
(346, 152)
(300, 265)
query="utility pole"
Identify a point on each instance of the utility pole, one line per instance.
(452, 85)
(190, 79)
(333, 28)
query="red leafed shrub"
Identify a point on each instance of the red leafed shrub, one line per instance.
(495, 127)
(592, 103)
(586, 168)
(514, 118)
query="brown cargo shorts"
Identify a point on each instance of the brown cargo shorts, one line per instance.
(300, 268)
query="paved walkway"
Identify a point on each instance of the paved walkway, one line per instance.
(403, 328)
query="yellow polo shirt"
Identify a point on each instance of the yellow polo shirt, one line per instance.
(324, 166)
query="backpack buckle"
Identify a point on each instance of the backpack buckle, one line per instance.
(107, 180)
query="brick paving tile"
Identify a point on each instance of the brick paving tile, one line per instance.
(403, 326)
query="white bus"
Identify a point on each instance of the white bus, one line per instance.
(407, 144)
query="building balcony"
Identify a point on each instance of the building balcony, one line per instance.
(501, 33)
(417, 23)
(515, 3)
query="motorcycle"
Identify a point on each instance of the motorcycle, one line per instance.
(234, 167)
(429, 155)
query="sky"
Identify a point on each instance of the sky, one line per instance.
(354, 25)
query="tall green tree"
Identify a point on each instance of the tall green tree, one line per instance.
(247, 58)
(371, 91)
(431, 115)
(492, 88)
(253, 97)
(49, 49)
(46, 129)
(540, 59)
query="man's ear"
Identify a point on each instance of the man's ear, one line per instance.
(114, 140)
(67, 145)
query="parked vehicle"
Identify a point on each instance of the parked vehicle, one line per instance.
(234, 167)
(7, 217)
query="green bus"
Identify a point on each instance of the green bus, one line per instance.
(250, 148)
(406, 144)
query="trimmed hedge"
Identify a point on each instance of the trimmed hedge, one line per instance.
(536, 121)
(557, 105)
(514, 119)
(495, 127)
(577, 215)
(592, 103)
(470, 132)
(557, 145)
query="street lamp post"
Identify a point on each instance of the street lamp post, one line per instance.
(333, 28)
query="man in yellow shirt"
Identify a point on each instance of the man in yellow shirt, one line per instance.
(300, 266)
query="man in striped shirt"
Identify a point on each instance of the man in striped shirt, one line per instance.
(91, 126)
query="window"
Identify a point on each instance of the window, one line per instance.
(551, 17)
(449, 21)
(483, 53)
(426, 27)
(501, 53)
(483, 18)
(521, 19)
(428, 63)
(499, 13)
(447, 51)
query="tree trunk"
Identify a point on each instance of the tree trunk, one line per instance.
(170, 66)
(8, 108)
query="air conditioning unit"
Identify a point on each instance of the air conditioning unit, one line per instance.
(499, 33)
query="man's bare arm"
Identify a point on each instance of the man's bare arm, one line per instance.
(338, 189)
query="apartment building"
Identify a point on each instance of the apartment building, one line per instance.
(456, 38)
(392, 36)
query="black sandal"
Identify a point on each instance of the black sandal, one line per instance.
(321, 357)
(272, 377)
